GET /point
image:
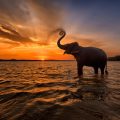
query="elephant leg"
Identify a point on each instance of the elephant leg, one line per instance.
(80, 70)
(102, 70)
(96, 70)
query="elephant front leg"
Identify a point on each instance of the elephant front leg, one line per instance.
(80, 70)
(96, 70)
(102, 70)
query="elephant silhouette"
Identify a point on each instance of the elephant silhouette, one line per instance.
(85, 56)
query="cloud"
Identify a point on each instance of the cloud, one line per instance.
(11, 34)
(37, 18)
(83, 41)
(24, 22)
(9, 44)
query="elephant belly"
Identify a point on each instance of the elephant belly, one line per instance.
(100, 61)
(92, 64)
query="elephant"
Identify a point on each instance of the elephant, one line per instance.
(85, 56)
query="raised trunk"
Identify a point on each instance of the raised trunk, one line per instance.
(62, 34)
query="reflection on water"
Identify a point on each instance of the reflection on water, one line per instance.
(48, 91)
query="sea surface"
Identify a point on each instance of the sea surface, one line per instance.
(48, 90)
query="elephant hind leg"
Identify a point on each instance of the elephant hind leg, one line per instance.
(102, 70)
(96, 70)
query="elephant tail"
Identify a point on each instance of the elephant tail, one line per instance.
(106, 72)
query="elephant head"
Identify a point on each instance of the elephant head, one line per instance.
(71, 48)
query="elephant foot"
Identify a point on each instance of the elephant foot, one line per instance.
(80, 76)
(76, 77)
(96, 75)
(102, 75)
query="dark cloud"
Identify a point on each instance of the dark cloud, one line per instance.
(13, 35)
(11, 44)
(10, 29)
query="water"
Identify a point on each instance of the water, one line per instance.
(48, 90)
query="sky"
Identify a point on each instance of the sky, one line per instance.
(26, 27)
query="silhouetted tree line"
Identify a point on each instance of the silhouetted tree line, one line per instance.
(115, 58)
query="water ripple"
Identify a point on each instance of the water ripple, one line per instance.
(47, 90)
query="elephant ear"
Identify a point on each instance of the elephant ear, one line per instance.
(75, 48)
(71, 48)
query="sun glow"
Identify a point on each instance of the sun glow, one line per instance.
(42, 58)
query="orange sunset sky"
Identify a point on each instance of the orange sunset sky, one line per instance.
(26, 27)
